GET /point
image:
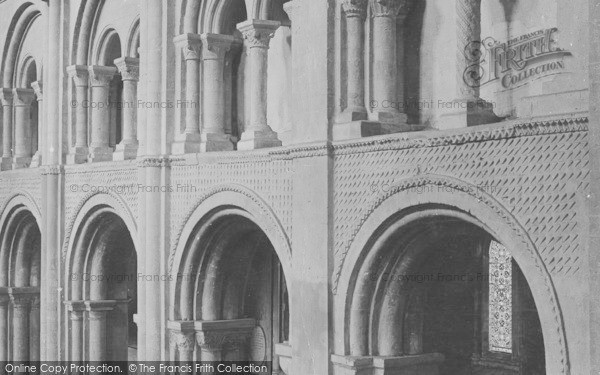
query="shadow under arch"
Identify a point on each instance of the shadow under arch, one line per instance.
(101, 282)
(440, 195)
(231, 267)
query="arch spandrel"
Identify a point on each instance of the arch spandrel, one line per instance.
(468, 203)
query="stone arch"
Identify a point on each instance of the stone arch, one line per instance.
(106, 48)
(245, 203)
(101, 281)
(229, 270)
(220, 16)
(86, 205)
(133, 41)
(84, 29)
(20, 279)
(22, 20)
(465, 202)
(28, 72)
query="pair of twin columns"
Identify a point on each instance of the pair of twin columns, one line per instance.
(211, 50)
(385, 15)
(100, 78)
(20, 99)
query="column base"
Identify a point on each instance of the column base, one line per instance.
(389, 117)
(21, 162)
(125, 151)
(6, 163)
(98, 154)
(77, 155)
(466, 113)
(252, 140)
(189, 144)
(211, 142)
(284, 352)
(360, 129)
(36, 160)
(421, 364)
(352, 114)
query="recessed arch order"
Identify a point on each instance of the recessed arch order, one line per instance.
(470, 204)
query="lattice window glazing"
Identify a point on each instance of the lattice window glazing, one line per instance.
(500, 299)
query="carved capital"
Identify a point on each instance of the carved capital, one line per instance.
(79, 74)
(355, 8)
(129, 68)
(6, 96)
(183, 341)
(38, 88)
(23, 97)
(215, 46)
(190, 44)
(223, 334)
(23, 297)
(258, 33)
(390, 8)
(101, 75)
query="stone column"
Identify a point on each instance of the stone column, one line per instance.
(22, 106)
(355, 12)
(469, 109)
(218, 336)
(190, 45)
(76, 310)
(129, 69)
(34, 329)
(51, 188)
(6, 95)
(213, 137)
(385, 55)
(80, 76)
(21, 303)
(257, 34)
(37, 87)
(100, 77)
(181, 340)
(97, 316)
(4, 300)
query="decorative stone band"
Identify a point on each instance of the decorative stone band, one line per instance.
(129, 68)
(159, 162)
(258, 33)
(53, 170)
(190, 44)
(221, 334)
(355, 8)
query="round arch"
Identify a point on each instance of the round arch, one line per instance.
(22, 21)
(103, 50)
(468, 203)
(106, 201)
(133, 41)
(247, 204)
